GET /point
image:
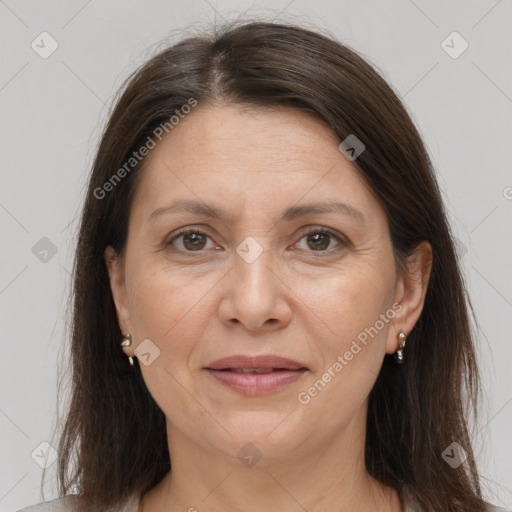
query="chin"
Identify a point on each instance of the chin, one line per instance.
(271, 432)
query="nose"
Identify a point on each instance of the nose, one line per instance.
(255, 295)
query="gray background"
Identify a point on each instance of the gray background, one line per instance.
(52, 111)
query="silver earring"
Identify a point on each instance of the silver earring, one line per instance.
(399, 355)
(127, 341)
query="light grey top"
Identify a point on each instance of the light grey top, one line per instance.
(65, 504)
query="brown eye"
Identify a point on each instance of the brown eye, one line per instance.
(319, 241)
(191, 241)
(194, 241)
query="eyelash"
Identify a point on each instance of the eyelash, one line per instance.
(313, 230)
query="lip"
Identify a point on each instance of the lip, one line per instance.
(285, 372)
(253, 362)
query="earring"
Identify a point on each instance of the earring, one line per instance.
(399, 355)
(127, 341)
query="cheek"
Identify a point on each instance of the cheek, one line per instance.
(163, 299)
(355, 311)
(170, 309)
(351, 301)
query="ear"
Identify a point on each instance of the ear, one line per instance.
(410, 293)
(115, 267)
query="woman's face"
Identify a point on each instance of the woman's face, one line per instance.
(316, 285)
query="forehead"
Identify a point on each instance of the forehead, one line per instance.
(262, 135)
(258, 156)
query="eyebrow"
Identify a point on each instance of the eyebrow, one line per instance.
(291, 213)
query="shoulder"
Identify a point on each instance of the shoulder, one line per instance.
(492, 508)
(63, 504)
(69, 503)
(411, 505)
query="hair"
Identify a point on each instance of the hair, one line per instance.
(113, 441)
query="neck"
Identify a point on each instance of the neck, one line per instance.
(332, 478)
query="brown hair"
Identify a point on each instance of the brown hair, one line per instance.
(114, 432)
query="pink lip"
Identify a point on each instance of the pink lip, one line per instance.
(286, 371)
(268, 361)
(256, 384)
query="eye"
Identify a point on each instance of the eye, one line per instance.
(319, 240)
(193, 240)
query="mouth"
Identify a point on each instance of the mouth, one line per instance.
(257, 363)
(255, 370)
(253, 376)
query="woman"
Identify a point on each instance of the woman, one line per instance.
(268, 309)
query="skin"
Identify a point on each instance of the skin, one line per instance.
(291, 301)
